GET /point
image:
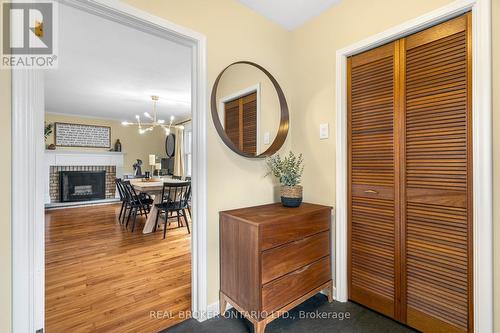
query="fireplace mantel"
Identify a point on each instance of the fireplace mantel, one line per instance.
(80, 158)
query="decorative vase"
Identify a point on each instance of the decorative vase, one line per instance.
(291, 196)
(118, 145)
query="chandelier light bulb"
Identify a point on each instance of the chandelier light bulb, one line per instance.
(137, 117)
(125, 123)
(161, 121)
(147, 115)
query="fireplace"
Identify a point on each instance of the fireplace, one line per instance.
(82, 185)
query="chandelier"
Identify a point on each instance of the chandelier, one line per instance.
(153, 120)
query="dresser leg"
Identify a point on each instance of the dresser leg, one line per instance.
(329, 293)
(259, 327)
(222, 303)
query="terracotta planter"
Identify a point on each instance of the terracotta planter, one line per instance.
(291, 196)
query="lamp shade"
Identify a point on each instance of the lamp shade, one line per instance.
(152, 159)
(158, 166)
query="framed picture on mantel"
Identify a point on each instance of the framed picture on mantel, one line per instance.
(81, 135)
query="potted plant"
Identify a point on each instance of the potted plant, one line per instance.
(288, 170)
(47, 132)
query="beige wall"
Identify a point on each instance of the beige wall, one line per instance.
(134, 145)
(5, 225)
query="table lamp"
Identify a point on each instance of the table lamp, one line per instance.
(152, 163)
(158, 167)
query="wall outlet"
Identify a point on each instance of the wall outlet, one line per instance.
(266, 138)
(323, 131)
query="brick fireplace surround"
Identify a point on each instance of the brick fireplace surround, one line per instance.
(71, 160)
(54, 179)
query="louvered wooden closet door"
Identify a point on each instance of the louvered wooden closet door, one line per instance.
(410, 178)
(249, 104)
(232, 121)
(371, 91)
(438, 178)
(240, 122)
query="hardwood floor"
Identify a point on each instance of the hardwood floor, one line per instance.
(100, 277)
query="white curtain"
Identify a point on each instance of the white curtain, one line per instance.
(179, 152)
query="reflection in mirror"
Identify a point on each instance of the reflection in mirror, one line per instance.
(248, 108)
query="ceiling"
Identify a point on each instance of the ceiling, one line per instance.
(289, 13)
(109, 70)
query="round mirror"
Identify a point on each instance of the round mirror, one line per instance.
(170, 145)
(249, 110)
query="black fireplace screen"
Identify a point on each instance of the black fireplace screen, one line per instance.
(82, 185)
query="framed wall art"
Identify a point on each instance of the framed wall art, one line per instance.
(81, 135)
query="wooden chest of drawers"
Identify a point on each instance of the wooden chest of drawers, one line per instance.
(273, 258)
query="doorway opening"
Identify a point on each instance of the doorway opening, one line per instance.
(77, 102)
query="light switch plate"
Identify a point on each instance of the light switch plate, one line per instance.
(266, 138)
(323, 131)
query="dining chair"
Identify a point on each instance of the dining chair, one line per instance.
(175, 198)
(126, 199)
(189, 200)
(137, 203)
(177, 177)
(123, 198)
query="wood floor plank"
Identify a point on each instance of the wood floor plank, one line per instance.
(100, 277)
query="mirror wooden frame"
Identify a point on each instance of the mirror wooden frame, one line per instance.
(280, 138)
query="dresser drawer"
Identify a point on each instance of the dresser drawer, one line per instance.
(294, 228)
(292, 286)
(284, 259)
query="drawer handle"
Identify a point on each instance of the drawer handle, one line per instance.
(371, 191)
(300, 241)
(302, 270)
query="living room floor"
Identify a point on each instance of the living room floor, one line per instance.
(101, 277)
(303, 318)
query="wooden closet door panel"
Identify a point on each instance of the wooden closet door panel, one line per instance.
(232, 121)
(250, 123)
(371, 231)
(437, 258)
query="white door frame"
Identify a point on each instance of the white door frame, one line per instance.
(482, 148)
(28, 227)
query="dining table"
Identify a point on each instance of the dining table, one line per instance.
(153, 187)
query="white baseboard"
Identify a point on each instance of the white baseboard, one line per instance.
(213, 311)
(334, 290)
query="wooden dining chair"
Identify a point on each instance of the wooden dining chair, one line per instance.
(177, 177)
(174, 199)
(136, 204)
(189, 199)
(123, 198)
(127, 199)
